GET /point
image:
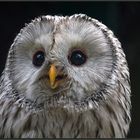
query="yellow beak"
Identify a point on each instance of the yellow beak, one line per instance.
(52, 76)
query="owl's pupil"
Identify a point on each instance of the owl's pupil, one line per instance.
(38, 58)
(77, 58)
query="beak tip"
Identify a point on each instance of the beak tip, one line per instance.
(53, 85)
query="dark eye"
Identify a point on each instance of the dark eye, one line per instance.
(38, 58)
(77, 57)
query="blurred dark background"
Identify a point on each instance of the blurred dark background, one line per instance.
(121, 17)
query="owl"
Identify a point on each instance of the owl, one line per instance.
(65, 77)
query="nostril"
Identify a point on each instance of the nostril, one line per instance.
(59, 77)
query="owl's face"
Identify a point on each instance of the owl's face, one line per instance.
(65, 56)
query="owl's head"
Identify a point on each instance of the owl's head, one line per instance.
(69, 59)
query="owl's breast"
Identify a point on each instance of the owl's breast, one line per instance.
(18, 122)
